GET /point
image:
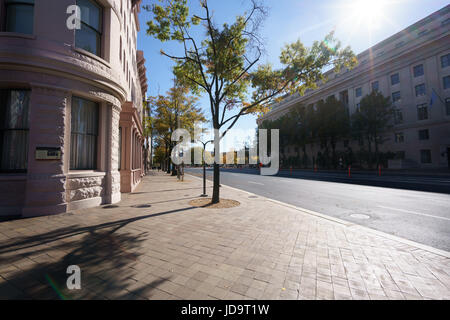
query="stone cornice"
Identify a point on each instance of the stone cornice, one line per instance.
(61, 58)
(70, 71)
(130, 112)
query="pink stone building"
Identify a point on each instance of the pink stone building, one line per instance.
(70, 105)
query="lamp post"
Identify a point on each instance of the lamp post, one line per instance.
(204, 166)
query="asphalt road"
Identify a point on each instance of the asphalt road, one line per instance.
(401, 210)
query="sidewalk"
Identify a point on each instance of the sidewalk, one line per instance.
(154, 245)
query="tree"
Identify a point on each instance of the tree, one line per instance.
(223, 63)
(372, 120)
(335, 123)
(312, 127)
(147, 124)
(174, 110)
(160, 156)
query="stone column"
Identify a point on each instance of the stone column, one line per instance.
(45, 187)
(112, 192)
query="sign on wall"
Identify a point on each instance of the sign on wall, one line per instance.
(48, 153)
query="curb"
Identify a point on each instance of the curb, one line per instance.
(347, 224)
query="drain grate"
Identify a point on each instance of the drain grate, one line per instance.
(111, 206)
(141, 206)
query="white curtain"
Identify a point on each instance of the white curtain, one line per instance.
(14, 126)
(83, 143)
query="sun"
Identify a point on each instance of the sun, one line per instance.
(367, 13)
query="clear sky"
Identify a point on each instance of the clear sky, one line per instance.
(357, 23)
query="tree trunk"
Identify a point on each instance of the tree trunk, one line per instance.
(168, 160)
(377, 156)
(216, 176)
(333, 155)
(305, 157)
(370, 153)
(216, 186)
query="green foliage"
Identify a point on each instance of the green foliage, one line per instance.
(329, 123)
(304, 125)
(159, 155)
(373, 118)
(224, 63)
(176, 109)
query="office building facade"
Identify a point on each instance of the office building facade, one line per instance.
(411, 67)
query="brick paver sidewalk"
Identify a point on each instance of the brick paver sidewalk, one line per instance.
(154, 245)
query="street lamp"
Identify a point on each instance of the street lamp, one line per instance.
(204, 166)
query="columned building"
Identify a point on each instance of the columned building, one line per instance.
(411, 67)
(70, 105)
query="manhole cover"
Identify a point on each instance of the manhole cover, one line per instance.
(111, 206)
(142, 206)
(252, 197)
(360, 216)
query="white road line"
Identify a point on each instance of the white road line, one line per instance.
(417, 213)
(261, 184)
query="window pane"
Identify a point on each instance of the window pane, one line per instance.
(15, 150)
(420, 90)
(19, 18)
(446, 82)
(423, 134)
(396, 96)
(422, 112)
(399, 138)
(395, 79)
(398, 116)
(425, 156)
(418, 70)
(14, 109)
(375, 86)
(88, 40)
(91, 14)
(447, 106)
(445, 61)
(84, 134)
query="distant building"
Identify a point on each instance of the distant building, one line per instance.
(70, 105)
(413, 68)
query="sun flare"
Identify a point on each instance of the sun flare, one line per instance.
(368, 13)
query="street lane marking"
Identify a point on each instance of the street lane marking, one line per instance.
(417, 213)
(261, 184)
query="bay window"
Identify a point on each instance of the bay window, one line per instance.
(89, 37)
(14, 127)
(19, 16)
(84, 133)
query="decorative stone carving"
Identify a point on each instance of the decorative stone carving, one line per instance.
(85, 188)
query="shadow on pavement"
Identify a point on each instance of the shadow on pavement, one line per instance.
(104, 255)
